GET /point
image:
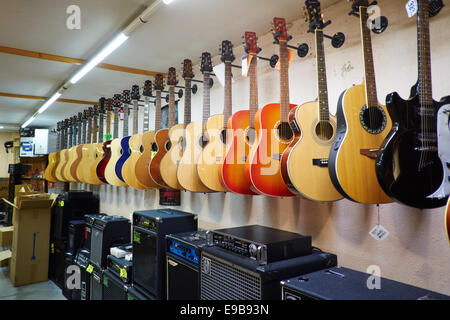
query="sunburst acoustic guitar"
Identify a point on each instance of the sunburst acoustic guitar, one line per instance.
(273, 133)
(162, 141)
(128, 169)
(305, 162)
(241, 130)
(362, 124)
(53, 158)
(408, 166)
(211, 159)
(187, 173)
(115, 147)
(59, 172)
(148, 137)
(169, 163)
(100, 170)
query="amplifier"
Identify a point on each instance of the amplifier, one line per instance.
(76, 235)
(96, 290)
(227, 276)
(113, 287)
(183, 265)
(56, 268)
(259, 243)
(150, 228)
(68, 261)
(341, 283)
(89, 221)
(107, 232)
(82, 261)
(134, 294)
(122, 268)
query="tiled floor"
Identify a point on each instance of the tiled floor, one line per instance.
(37, 291)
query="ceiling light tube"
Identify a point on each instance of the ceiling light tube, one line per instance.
(168, 1)
(113, 45)
(49, 102)
(28, 122)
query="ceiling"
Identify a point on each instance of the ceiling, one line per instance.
(183, 29)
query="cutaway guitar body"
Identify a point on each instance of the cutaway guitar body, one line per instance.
(71, 157)
(101, 167)
(351, 160)
(49, 173)
(110, 171)
(76, 163)
(128, 170)
(264, 161)
(60, 169)
(169, 163)
(124, 155)
(187, 169)
(142, 164)
(162, 145)
(305, 161)
(95, 158)
(209, 162)
(233, 172)
(82, 173)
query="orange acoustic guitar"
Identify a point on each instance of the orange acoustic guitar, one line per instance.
(59, 171)
(305, 163)
(210, 162)
(148, 137)
(273, 133)
(169, 163)
(53, 158)
(162, 140)
(241, 130)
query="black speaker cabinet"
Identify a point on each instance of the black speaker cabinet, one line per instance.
(96, 290)
(76, 235)
(82, 261)
(135, 294)
(89, 221)
(57, 260)
(113, 287)
(341, 283)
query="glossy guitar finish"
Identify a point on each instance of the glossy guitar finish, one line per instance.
(49, 173)
(142, 164)
(59, 171)
(161, 142)
(101, 167)
(169, 163)
(125, 142)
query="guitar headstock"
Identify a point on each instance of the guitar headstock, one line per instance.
(187, 69)
(108, 104)
(315, 16)
(206, 64)
(172, 77)
(58, 126)
(80, 117)
(95, 111)
(280, 30)
(250, 43)
(126, 97)
(117, 102)
(359, 3)
(135, 92)
(90, 112)
(226, 51)
(147, 90)
(159, 82)
(102, 102)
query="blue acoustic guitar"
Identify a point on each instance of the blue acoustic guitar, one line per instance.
(124, 143)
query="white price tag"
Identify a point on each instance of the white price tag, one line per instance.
(379, 233)
(411, 8)
(244, 66)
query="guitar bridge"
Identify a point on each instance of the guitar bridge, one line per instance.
(370, 153)
(320, 162)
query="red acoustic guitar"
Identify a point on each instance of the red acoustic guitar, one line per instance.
(273, 133)
(106, 150)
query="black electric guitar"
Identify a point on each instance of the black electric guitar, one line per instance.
(408, 166)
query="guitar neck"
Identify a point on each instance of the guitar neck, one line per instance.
(108, 125)
(284, 82)
(158, 110)
(324, 114)
(171, 106)
(146, 113)
(125, 120)
(80, 132)
(424, 55)
(369, 70)
(135, 116)
(227, 106)
(100, 128)
(253, 89)
(187, 101)
(116, 122)
(206, 98)
(95, 130)
(84, 133)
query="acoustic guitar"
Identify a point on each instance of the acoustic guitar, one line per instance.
(77, 149)
(61, 155)
(128, 169)
(114, 147)
(97, 143)
(187, 173)
(148, 137)
(80, 173)
(125, 141)
(90, 149)
(408, 166)
(71, 151)
(53, 158)
(100, 170)
(209, 163)
(273, 133)
(241, 130)
(162, 140)
(169, 163)
(60, 172)
(305, 162)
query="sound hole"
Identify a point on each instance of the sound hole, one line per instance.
(373, 119)
(154, 147)
(168, 145)
(223, 136)
(182, 143)
(141, 148)
(203, 141)
(121, 151)
(250, 135)
(284, 131)
(324, 130)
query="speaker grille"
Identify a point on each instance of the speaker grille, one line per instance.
(223, 281)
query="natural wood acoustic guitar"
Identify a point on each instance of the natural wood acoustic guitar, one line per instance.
(59, 172)
(53, 158)
(97, 143)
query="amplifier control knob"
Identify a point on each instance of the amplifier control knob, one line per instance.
(252, 249)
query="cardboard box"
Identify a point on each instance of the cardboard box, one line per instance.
(6, 235)
(4, 187)
(31, 238)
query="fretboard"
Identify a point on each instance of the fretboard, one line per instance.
(171, 106)
(135, 116)
(89, 131)
(58, 141)
(424, 56)
(206, 98)
(158, 110)
(74, 135)
(69, 138)
(100, 127)
(324, 114)
(80, 131)
(95, 130)
(253, 89)
(125, 120)
(369, 70)
(146, 113)
(64, 137)
(116, 123)
(227, 105)
(84, 133)
(284, 82)
(187, 101)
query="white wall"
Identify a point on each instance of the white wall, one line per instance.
(417, 250)
(6, 158)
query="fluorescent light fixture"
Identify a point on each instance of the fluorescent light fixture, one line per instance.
(49, 102)
(28, 122)
(1, 127)
(168, 1)
(113, 45)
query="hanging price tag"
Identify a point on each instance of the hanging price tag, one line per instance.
(246, 60)
(379, 233)
(411, 8)
(90, 268)
(123, 273)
